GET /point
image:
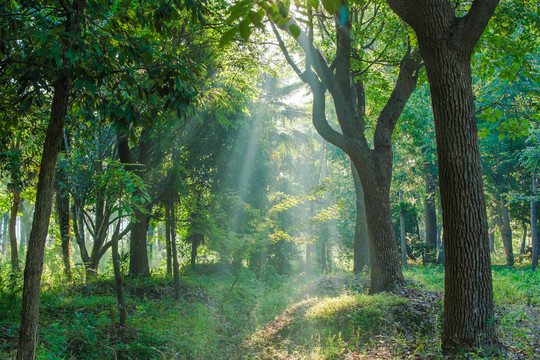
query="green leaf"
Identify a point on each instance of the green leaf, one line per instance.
(294, 30)
(313, 3)
(329, 6)
(227, 37)
(256, 18)
(245, 31)
(283, 10)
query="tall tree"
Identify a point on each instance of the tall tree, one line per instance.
(447, 38)
(345, 84)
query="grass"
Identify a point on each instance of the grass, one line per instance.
(263, 316)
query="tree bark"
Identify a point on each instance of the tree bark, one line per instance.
(446, 44)
(62, 209)
(507, 233)
(361, 242)
(42, 212)
(403, 231)
(118, 276)
(384, 259)
(15, 264)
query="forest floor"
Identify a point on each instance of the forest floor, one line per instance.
(268, 316)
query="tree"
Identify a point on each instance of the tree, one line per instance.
(342, 75)
(447, 37)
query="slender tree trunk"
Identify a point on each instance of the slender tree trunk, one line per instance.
(118, 276)
(507, 233)
(361, 242)
(492, 239)
(5, 233)
(431, 215)
(524, 238)
(195, 242)
(168, 238)
(308, 257)
(25, 223)
(42, 212)
(403, 231)
(176, 271)
(62, 208)
(534, 229)
(15, 265)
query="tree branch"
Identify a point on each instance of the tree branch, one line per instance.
(475, 22)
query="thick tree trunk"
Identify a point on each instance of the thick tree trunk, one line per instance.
(138, 251)
(507, 233)
(446, 43)
(384, 259)
(402, 231)
(138, 260)
(431, 216)
(468, 302)
(361, 242)
(15, 265)
(42, 212)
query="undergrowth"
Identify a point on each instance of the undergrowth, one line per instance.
(261, 316)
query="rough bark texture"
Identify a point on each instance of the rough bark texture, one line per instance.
(446, 44)
(15, 265)
(42, 212)
(361, 242)
(506, 233)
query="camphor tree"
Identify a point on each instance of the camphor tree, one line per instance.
(447, 35)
